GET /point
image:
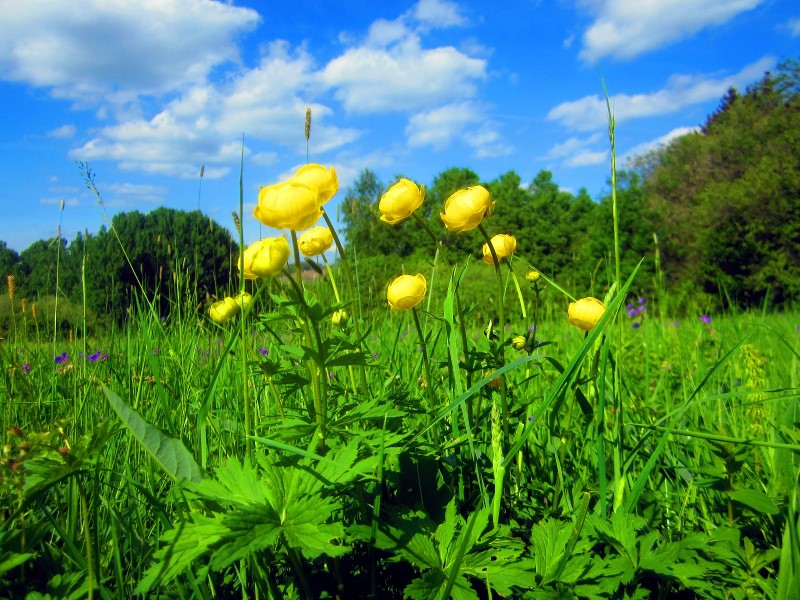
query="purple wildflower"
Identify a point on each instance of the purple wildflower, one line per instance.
(375, 354)
(94, 357)
(61, 358)
(636, 325)
(264, 351)
(26, 367)
(155, 352)
(705, 319)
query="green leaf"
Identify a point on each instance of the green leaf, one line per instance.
(755, 500)
(170, 454)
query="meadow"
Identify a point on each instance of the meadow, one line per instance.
(292, 441)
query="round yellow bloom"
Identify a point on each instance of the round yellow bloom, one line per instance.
(533, 276)
(340, 317)
(319, 177)
(244, 300)
(265, 258)
(519, 342)
(224, 310)
(504, 246)
(400, 200)
(465, 209)
(289, 205)
(407, 291)
(315, 241)
(585, 313)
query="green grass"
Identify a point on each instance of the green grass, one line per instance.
(149, 484)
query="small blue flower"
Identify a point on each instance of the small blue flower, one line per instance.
(61, 358)
(264, 351)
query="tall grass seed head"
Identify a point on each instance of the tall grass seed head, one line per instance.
(308, 123)
(12, 287)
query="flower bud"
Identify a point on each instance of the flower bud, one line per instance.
(340, 317)
(400, 200)
(407, 291)
(585, 313)
(315, 241)
(519, 342)
(533, 276)
(223, 311)
(465, 209)
(504, 246)
(265, 258)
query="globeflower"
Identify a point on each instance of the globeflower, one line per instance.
(265, 258)
(315, 241)
(319, 177)
(223, 311)
(243, 300)
(407, 291)
(293, 204)
(504, 246)
(465, 209)
(400, 200)
(585, 313)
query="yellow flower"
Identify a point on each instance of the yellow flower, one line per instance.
(289, 205)
(407, 291)
(319, 177)
(533, 275)
(519, 342)
(400, 200)
(504, 246)
(265, 258)
(224, 310)
(340, 317)
(315, 241)
(586, 312)
(464, 210)
(244, 300)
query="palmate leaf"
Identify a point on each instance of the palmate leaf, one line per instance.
(251, 509)
(453, 553)
(170, 454)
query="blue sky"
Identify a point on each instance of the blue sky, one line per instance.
(147, 92)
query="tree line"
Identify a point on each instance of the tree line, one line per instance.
(716, 211)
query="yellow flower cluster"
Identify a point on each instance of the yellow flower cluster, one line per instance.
(223, 311)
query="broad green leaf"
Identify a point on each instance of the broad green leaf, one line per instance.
(756, 500)
(170, 454)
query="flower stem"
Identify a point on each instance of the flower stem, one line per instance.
(425, 362)
(501, 325)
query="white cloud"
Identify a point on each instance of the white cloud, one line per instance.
(63, 132)
(645, 147)
(438, 127)
(572, 146)
(587, 158)
(794, 27)
(438, 13)
(625, 29)
(402, 77)
(589, 113)
(116, 48)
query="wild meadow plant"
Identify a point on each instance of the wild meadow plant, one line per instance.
(286, 444)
